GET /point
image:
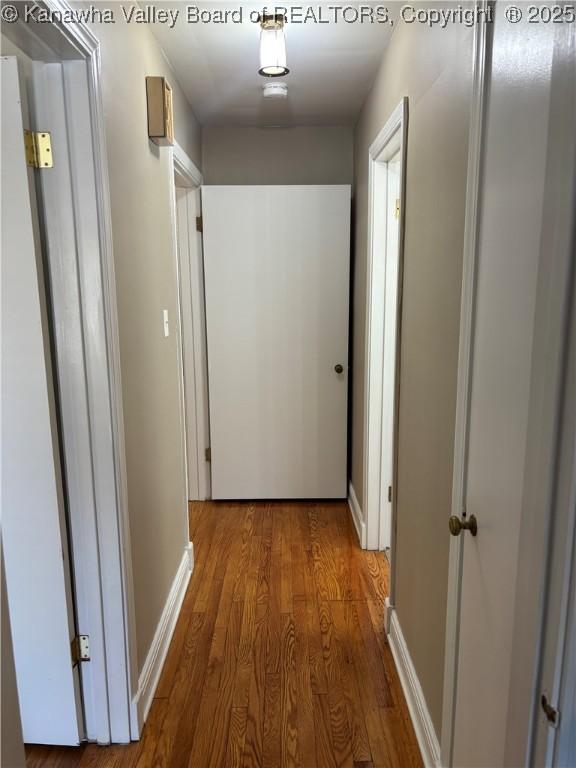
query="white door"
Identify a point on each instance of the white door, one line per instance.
(276, 262)
(510, 224)
(33, 522)
(389, 362)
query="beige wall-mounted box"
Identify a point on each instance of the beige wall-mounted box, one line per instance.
(160, 117)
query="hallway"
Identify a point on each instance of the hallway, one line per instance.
(278, 657)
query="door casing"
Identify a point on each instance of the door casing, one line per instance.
(377, 519)
(188, 245)
(467, 309)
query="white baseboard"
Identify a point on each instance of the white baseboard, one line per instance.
(189, 550)
(152, 668)
(421, 720)
(357, 516)
(388, 611)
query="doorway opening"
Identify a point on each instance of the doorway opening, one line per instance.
(190, 263)
(387, 162)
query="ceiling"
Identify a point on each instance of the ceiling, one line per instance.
(332, 64)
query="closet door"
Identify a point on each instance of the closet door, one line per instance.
(277, 287)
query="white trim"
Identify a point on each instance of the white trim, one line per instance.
(189, 551)
(388, 611)
(185, 168)
(190, 267)
(200, 353)
(156, 657)
(183, 218)
(117, 412)
(392, 134)
(467, 314)
(357, 517)
(419, 714)
(179, 349)
(391, 127)
(99, 517)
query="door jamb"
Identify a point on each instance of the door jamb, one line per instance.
(395, 128)
(103, 534)
(186, 175)
(480, 53)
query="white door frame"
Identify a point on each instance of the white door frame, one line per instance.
(467, 314)
(390, 140)
(82, 286)
(190, 271)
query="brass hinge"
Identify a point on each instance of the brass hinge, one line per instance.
(390, 493)
(397, 209)
(208, 454)
(552, 714)
(38, 149)
(80, 649)
(199, 224)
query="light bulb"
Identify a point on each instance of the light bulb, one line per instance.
(272, 47)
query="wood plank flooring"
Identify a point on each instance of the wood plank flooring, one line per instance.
(279, 657)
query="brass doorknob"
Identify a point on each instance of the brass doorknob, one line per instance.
(457, 526)
(339, 368)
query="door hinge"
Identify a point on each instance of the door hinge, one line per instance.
(208, 454)
(199, 224)
(551, 713)
(397, 209)
(390, 493)
(38, 149)
(80, 649)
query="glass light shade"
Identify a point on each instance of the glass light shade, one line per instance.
(272, 51)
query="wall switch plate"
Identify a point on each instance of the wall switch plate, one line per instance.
(166, 323)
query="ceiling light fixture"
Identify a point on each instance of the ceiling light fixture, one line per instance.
(275, 90)
(272, 46)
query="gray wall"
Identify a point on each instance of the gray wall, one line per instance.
(140, 180)
(432, 68)
(305, 155)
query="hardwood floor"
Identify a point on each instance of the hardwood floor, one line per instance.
(278, 658)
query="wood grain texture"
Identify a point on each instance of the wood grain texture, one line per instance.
(279, 657)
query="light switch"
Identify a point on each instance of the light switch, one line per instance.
(166, 323)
